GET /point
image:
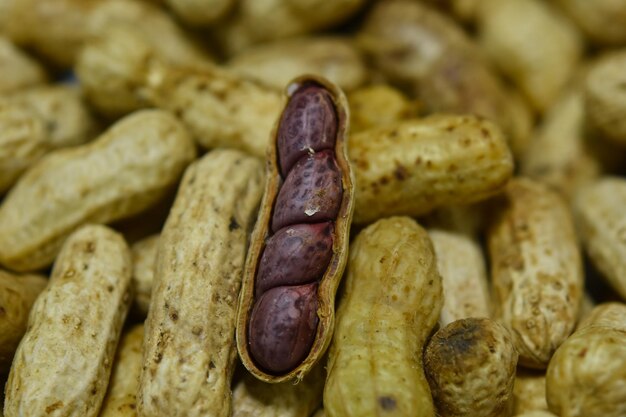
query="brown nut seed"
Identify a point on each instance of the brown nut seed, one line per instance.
(282, 327)
(126, 170)
(391, 302)
(255, 398)
(312, 192)
(536, 269)
(276, 63)
(587, 374)
(17, 295)
(412, 167)
(599, 210)
(121, 400)
(63, 363)
(470, 366)
(189, 350)
(308, 124)
(322, 191)
(18, 69)
(295, 255)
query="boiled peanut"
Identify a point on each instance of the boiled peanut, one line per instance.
(189, 350)
(536, 413)
(36, 121)
(18, 69)
(124, 171)
(461, 263)
(478, 381)
(144, 257)
(299, 246)
(602, 225)
(120, 399)
(508, 28)
(536, 269)
(415, 166)
(422, 51)
(63, 363)
(603, 21)
(200, 12)
(587, 374)
(529, 391)
(378, 105)
(390, 304)
(254, 398)
(277, 63)
(17, 295)
(605, 97)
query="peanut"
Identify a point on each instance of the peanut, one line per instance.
(421, 50)
(587, 374)
(201, 12)
(605, 97)
(529, 391)
(277, 63)
(17, 295)
(470, 366)
(18, 69)
(603, 21)
(144, 257)
(415, 166)
(124, 171)
(602, 225)
(461, 263)
(62, 365)
(253, 398)
(378, 105)
(189, 350)
(536, 413)
(541, 70)
(299, 246)
(391, 302)
(36, 121)
(536, 266)
(120, 399)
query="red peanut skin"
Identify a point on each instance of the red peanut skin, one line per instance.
(295, 255)
(311, 192)
(308, 124)
(283, 325)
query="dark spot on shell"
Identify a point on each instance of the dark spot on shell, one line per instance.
(211, 365)
(400, 172)
(233, 225)
(387, 403)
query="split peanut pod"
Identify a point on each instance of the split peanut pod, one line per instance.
(299, 245)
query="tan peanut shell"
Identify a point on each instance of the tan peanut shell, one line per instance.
(277, 63)
(470, 366)
(17, 68)
(256, 22)
(59, 29)
(461, 263)
(425, 53)
(37, 120)
(529, 391)
(332, 276)
(121, 397)
(62, 365)
(189, 350)
(605, 96)
(532, 43)
(536, 413)
(200, 12)
(536, 269)
(601, 222)
(144, 258)
(17, 295)
(390, 304)
(254, 398)
(412, 167)
(603, 21)
(587, 374)
(127, 169)
(379, 105)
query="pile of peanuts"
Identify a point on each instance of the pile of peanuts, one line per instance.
(308, 208)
